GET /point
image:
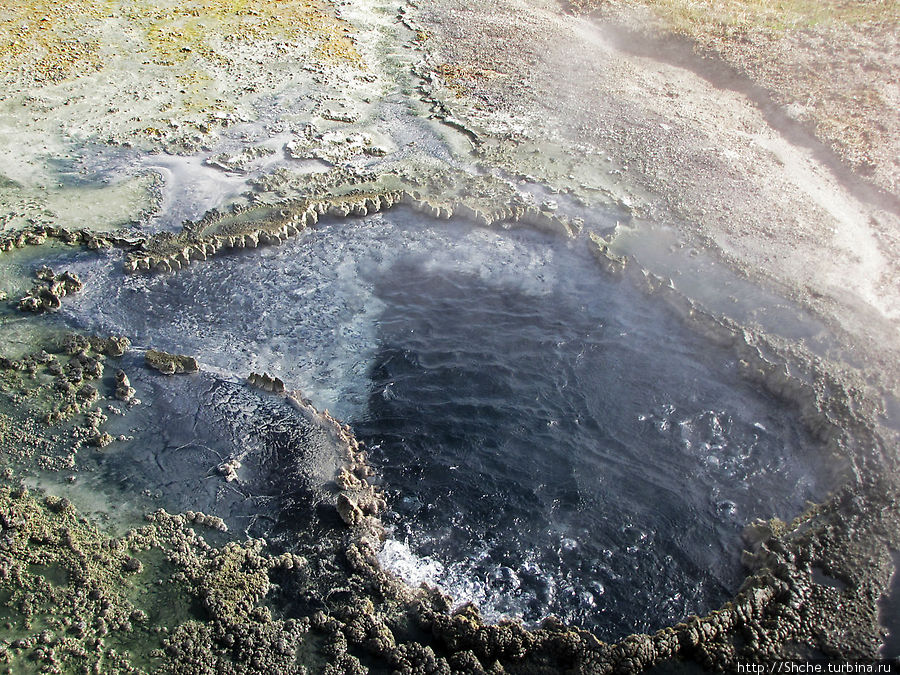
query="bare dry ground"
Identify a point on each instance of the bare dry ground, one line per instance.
(833, 64)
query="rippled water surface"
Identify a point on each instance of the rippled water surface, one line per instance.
(552, 440)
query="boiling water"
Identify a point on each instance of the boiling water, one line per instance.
(551, 440)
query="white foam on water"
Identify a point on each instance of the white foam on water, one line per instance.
(397, 557)
(456, 580)
(500, 592)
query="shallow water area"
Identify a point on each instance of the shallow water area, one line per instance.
(716, 286)
(552, 439)
(20, 332)
(205, 443)
(261, 463)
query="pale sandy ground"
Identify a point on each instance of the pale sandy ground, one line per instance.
(831, 65)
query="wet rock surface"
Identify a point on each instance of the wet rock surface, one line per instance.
(169, 364)
(47, 292)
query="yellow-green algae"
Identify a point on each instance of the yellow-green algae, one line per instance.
(50, 400)
(50, 41)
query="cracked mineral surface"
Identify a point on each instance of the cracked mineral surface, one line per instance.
(602, 298)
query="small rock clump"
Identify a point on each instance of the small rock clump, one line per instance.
(170, 364)
(48, 290)
(101, 440)
(266, 382)
(114, 345)
(229, 470)
(124, 390)
(199, 518)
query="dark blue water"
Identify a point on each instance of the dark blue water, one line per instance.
(576, 453)
(552, 440)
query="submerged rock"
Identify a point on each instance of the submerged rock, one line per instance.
(169, 364)
(48, 289)
(114, 345)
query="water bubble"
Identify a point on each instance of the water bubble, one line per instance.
(568, 544)
(726, 507)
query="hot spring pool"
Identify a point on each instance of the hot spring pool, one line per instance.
(551, 439)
